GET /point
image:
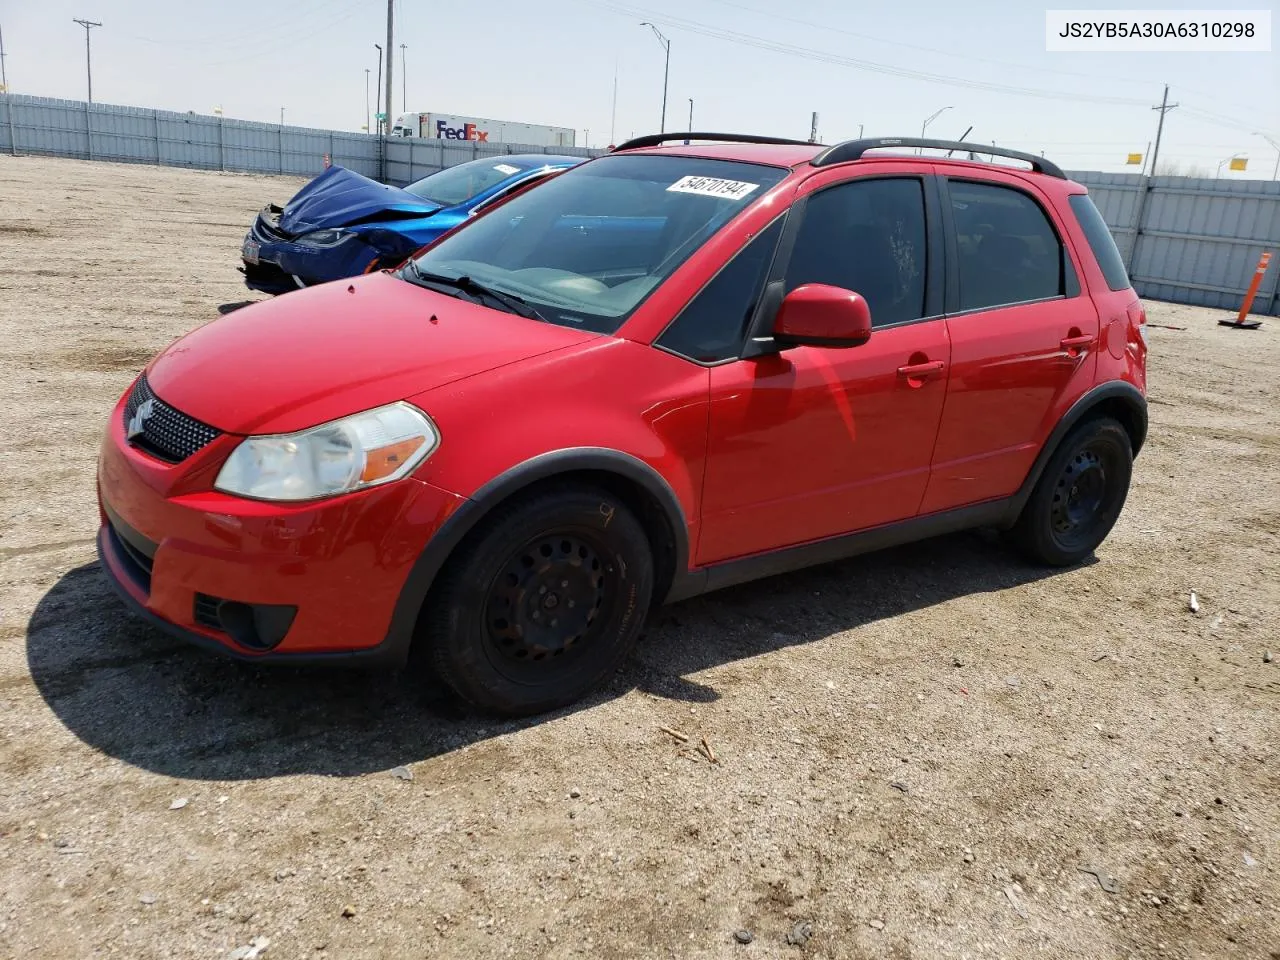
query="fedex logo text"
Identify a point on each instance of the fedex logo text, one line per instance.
(466, 132)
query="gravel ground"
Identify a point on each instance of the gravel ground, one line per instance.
(916, 751)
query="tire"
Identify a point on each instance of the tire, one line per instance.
(1078, 498)
(541, 603)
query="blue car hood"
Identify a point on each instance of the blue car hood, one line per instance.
(340, 197)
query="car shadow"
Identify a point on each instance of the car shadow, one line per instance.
(135, 694)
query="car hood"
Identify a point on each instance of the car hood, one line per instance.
(321, 353)
(340, 197)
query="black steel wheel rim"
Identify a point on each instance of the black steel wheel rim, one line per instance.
(1081, 497)
(549, 601)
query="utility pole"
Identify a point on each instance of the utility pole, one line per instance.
(88, 60)
(666, 70)
(691, 114)
(1165, 107)
(860, 131)
(391, 11)
(367, 118)
(4, 80)
(404, 80)
(813, 128)
(377, 87)
(282, 116)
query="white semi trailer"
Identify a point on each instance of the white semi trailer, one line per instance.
(453, 126)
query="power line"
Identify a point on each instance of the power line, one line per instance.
(265, 35)
(968, 57)
(294, 40)
(761, 43)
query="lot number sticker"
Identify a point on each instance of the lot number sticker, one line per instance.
(506, 168)
(712, 187)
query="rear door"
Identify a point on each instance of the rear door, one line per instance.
(1023, 332)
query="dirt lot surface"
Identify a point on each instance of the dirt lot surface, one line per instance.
(917, 751)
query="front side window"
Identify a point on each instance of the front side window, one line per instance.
(587, 247)
(714, 324)
(454, 185)
(867, 236)
(1007, 250)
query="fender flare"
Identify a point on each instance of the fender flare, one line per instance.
(1120, 390)
(502, 487)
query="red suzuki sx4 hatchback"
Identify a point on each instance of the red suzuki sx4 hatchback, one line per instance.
(664, 371)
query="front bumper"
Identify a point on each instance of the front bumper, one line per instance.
(281, 264)
(320, 580)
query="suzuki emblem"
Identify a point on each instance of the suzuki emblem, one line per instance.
(139, 418)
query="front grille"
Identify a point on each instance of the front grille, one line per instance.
(266, 226)
(167, 434)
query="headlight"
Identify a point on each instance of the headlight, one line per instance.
(359, 451)
(323, 238)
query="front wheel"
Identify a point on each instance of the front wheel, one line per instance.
(1078, 498)
(542, 602)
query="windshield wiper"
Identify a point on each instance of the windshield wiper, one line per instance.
(464, 284)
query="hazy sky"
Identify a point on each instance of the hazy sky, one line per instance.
(750, 65)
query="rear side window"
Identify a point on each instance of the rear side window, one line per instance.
(1100, 240)
(1007, 250)
(713, 326)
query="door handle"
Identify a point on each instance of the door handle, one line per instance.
(916, 370)
(1076, 343)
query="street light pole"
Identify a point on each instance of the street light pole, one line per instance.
(666, 70)
(377, 87)
(391, 11)
(88, 59)
(367, 118)
(691, 114)
(1218, 172)
(924, 126)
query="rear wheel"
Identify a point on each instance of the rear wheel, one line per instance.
(542, 602)
(1078, 498)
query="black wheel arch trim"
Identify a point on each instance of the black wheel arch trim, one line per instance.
(1121, 390)
(545, 466)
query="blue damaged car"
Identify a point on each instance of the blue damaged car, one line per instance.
(342, 224)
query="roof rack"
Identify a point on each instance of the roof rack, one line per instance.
(854, 149)
(657, 139)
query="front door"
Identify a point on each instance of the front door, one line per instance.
(815, 442)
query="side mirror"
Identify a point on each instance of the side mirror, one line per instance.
(819, 315)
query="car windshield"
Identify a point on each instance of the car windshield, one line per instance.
(587, 247)
(454, 185)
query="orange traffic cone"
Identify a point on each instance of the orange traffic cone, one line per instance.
(1242, 322)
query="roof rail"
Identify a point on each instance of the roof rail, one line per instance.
(854, 149)
(657, 139)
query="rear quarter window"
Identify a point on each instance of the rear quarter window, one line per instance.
(1100, 241)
